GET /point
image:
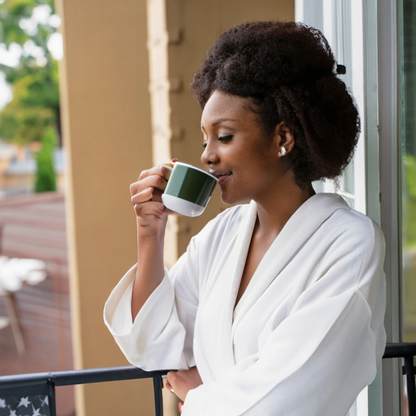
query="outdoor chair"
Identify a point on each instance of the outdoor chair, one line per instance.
(13, 274)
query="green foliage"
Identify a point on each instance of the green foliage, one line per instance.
(12, 12)
(409, 221)
(45, 180)
(35, 87)
(34, 107)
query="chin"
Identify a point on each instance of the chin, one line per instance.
(232, 200)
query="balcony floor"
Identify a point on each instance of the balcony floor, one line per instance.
(33, 226)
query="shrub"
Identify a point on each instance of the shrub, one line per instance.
(45, 180)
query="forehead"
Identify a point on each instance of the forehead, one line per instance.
(221, 106)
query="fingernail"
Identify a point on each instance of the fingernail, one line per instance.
(174, 160)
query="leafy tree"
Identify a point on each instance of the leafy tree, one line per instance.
(34, 82)
(45, 169)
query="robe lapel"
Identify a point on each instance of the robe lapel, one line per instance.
(217, 312)
(300, 227)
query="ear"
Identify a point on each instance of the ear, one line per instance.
(284, 138)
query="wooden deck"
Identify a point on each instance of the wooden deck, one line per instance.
(33, 226)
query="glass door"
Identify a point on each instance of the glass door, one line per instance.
(408, 139)
(341, 23)
(407, 79)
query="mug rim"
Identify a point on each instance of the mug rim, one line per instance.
(194, 167)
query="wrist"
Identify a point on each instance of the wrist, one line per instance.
(147, 232)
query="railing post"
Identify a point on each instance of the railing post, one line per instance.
(157, 388)
(51, 397)
(410, 375)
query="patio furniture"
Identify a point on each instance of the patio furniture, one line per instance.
(13, 273)
(12, 320)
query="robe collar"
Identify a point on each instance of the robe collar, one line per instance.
(298, 229)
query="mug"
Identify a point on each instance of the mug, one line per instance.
(188, 190)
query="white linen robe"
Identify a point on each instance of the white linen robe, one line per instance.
(303, 340)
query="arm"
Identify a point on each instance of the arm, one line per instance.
(140, 312)
(151, 218)
(160, 337)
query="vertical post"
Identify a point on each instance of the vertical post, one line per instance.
(157, 388)
(390, 187)
(411, 389)
(51, 396)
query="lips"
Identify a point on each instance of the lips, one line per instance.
(221, 176)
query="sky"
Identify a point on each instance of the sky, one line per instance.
(10, 57)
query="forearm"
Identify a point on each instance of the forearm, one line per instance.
(150, 267)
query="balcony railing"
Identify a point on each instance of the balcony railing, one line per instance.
(406, 351)
(22, 387)
(39, 386)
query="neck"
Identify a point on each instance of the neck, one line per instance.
(275, 210)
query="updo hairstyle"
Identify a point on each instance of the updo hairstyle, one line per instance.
(288, 71)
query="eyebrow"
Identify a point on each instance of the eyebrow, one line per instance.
(220, 120)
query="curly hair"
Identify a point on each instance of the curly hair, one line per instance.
(288, 71)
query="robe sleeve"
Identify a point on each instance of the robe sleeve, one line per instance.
(166, 319)
(318, 359)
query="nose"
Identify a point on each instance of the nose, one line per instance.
(209, 155)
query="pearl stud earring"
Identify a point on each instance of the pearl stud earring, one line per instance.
(282, 151)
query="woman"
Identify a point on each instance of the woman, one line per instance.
(277, 306)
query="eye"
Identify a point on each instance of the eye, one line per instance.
(225, 139)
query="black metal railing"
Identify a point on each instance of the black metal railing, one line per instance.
(406, 351)
(14, 387)
(37, 385)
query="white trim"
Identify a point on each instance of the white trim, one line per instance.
(181, 206)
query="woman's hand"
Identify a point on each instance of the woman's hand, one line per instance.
(180, 382)
(146, 197)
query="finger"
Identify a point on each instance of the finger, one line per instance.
(143, 196)
(159, 170)
(171, 377)
(169, 386)
(157, 195)
(154, 181)
(149, 194)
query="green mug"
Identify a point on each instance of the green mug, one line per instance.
(188, 190)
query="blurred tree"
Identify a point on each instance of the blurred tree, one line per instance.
(45, 168)
(409, 210)
(31, 24)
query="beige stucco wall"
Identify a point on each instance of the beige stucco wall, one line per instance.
(109, 132)
(106, 117)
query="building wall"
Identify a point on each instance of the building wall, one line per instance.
(111, 134)
(106, 117)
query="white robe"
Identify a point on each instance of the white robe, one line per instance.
(303, 340)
